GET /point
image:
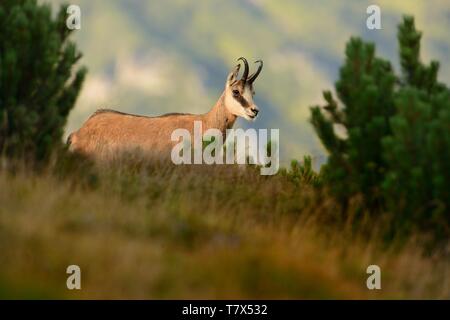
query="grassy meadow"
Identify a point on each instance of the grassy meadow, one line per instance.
(158, 232)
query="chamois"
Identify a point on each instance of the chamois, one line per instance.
(108, 132)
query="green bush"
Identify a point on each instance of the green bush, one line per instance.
(37, 86)
(302, 173)
(394, 148)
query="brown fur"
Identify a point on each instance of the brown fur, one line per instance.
(108, 132)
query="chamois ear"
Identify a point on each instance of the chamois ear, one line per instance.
(232, 77)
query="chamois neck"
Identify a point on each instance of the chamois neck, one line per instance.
(219, 117)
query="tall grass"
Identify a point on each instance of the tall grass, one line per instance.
(158, 231)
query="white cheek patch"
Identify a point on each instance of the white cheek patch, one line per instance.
(248, 96)
(234, 106)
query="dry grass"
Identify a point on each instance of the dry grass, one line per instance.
(195, 232)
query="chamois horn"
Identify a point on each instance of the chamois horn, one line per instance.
(245, 74)
(256, 74)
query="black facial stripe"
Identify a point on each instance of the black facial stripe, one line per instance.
(242, 101)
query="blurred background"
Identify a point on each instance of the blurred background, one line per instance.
(153, 57)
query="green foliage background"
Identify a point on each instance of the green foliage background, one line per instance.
(38, 86)
(396, 149)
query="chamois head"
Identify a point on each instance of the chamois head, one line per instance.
(239, 93)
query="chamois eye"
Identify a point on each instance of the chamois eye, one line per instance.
(236, 93)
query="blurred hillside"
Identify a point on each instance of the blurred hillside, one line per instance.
(153, 57)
